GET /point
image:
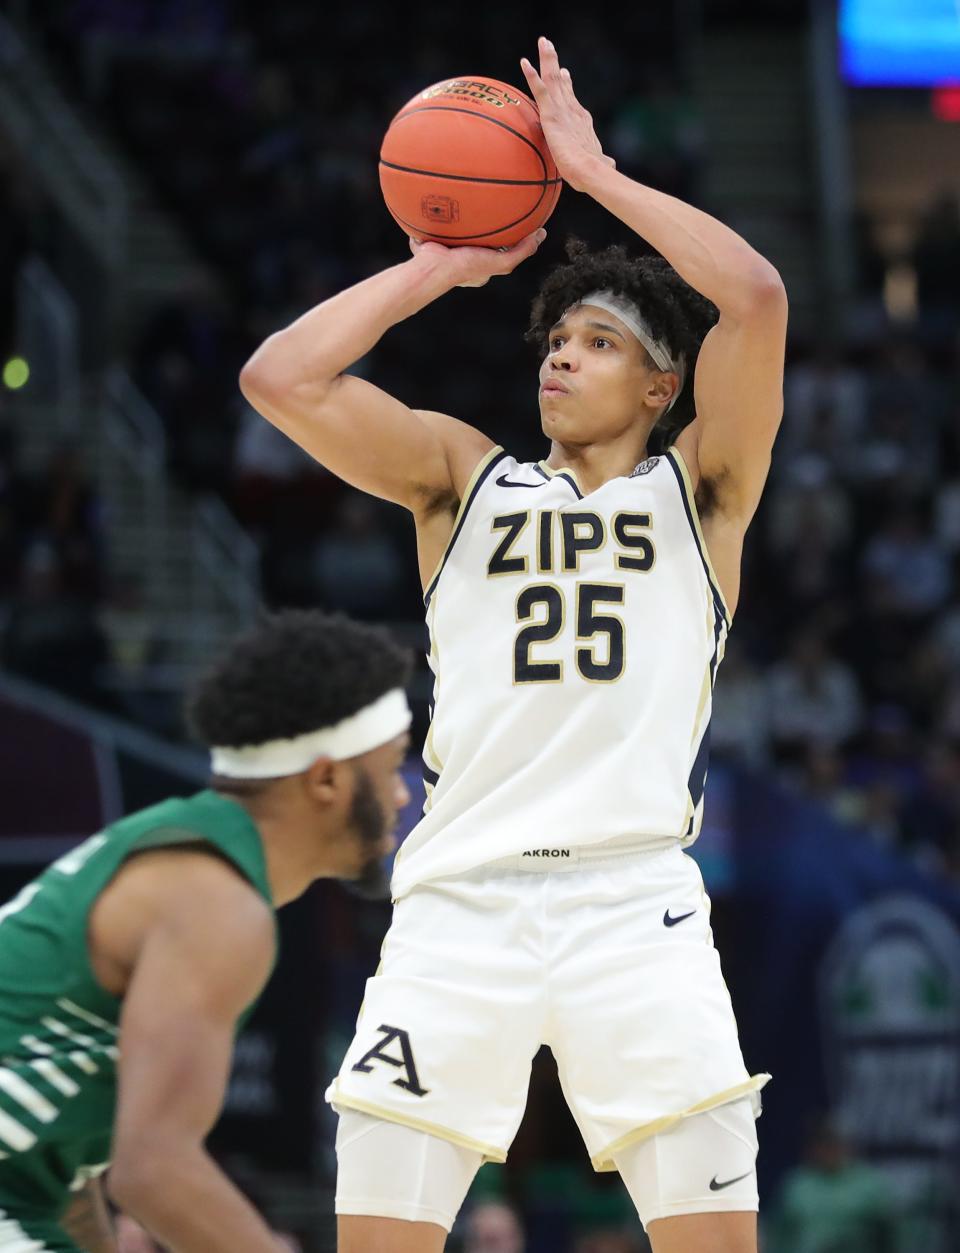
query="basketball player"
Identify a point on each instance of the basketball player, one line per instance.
(578, 611)
(127, 966)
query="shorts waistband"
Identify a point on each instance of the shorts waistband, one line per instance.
(546, 860)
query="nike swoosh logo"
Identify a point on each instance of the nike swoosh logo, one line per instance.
(719, 1187)
(503, 481)
(669, 921)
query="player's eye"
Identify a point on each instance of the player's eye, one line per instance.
(601, 340)
(556, 341)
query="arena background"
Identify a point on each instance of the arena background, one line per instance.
(178, 178)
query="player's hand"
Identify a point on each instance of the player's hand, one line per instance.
(567, 125)
(472, 267)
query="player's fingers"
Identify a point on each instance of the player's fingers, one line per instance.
(533, 78)
(549, 62)
(511, 257)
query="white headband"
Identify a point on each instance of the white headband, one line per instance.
(631, 317)
(372, 726)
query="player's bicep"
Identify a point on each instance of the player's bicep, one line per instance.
(367, 437)
(739, 400)
(201, 963)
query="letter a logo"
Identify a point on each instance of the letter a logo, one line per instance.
(391, 1034)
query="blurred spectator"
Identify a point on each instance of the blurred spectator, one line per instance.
(52, 636)
(740, 721)
(355, 562)
(129, 625)
(813, 697)
(493, 1227)
(825, 403)
(936, 259)
(832, 1203)
(65, 512)
(823, 778)
(905, 556)
(14, 510)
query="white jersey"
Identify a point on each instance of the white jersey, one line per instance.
(575, 640)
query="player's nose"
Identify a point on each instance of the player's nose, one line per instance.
(401, 795)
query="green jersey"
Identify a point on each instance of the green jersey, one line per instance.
(58, 1027)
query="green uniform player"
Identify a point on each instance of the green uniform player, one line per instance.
(127, 966)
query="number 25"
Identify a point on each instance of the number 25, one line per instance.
(589, 624)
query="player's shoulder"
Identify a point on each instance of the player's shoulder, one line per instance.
(464, 447)
(687, 447)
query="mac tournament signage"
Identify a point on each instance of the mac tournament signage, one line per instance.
(890, 1013)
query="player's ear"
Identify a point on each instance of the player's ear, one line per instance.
(326, 780)
(661, 388)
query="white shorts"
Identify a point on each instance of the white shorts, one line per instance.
(609, 960)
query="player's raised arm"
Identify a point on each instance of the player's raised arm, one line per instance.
(739, 375)
(202, 946)
(297, 380)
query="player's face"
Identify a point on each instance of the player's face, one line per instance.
(379, 794)
(592, 379)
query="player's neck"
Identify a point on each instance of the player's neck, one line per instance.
(291, 859)
(596, 464)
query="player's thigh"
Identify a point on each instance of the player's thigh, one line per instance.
(703, 1172)
(363, 1234)
(397, 1181)
(731, 1232)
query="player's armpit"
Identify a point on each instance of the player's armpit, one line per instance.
(739, 401)
(368, 438)
(203, 958)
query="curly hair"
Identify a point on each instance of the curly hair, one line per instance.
(674, 311)
(295, 672)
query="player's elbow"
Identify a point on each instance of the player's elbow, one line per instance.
(764, 295)
(276, 385)
(264, 375)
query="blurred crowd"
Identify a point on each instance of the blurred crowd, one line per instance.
(259, 132)
(843, 671)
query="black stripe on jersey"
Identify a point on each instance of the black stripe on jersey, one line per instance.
(463, 511)
(560, 474)
(698, 774)
(430, 776)
(694, 530)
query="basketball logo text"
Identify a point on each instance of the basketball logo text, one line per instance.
(486, 92)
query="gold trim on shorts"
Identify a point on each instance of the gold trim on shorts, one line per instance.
(490, 1154)
(603, 1161)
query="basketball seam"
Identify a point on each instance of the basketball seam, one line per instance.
(439, 108)
(469, 178)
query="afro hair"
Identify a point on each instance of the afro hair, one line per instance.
(295, 672)
(674, 311)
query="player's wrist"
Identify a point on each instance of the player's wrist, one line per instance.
(589, 173)
(434, 272)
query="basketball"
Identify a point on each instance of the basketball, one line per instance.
(465, 162)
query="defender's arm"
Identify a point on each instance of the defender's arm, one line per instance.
(203, 953)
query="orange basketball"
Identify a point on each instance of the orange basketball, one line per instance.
(465, 162)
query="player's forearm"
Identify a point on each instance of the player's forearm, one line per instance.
(328, 339)
(712, 258)
(189, 1205)
(87, 1220)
